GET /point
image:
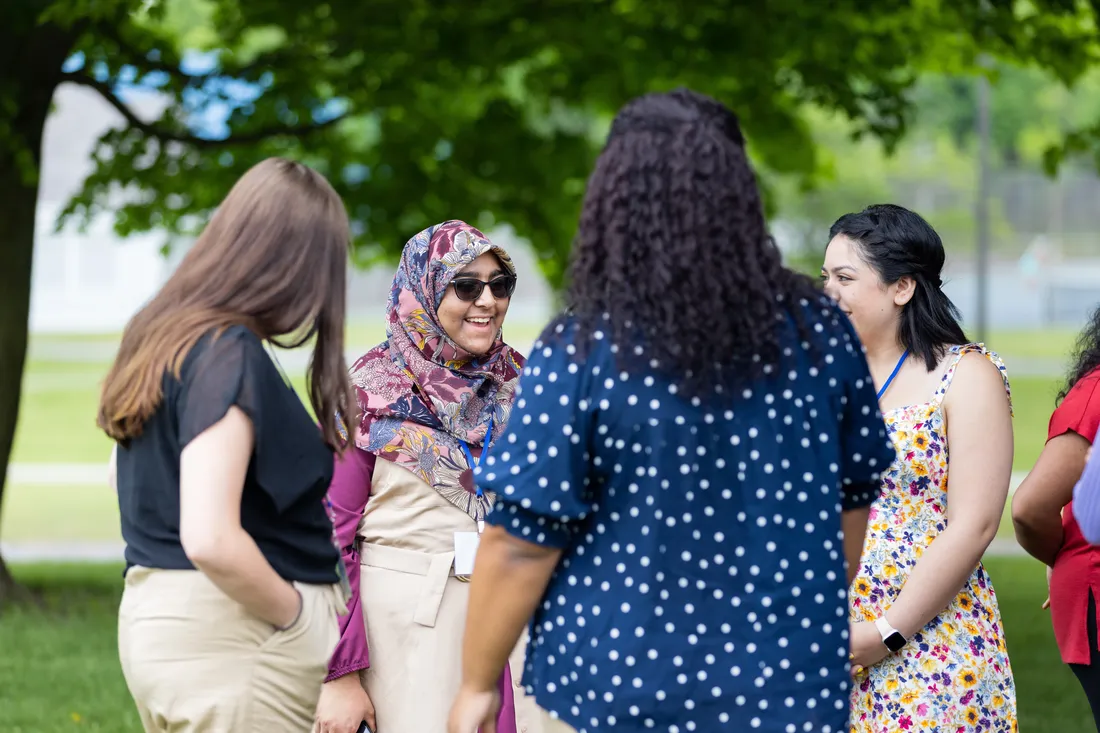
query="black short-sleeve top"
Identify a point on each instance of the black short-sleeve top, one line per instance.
(283, 504)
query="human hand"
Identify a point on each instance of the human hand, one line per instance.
(867, 648)
(290, 608)
(343, 706)
(474, 711)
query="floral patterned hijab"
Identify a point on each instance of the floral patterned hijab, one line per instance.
(421, 394)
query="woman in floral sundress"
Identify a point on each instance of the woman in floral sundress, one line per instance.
(927, 644)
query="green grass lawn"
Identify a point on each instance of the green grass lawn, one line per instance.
(1044, 343)
(60, 398)
(59, 670)
(62, 513)
(61, 401)
(57, 424)
(57, 414)
(1032, 403)
(57, 417)
(91, 514)
(1049, 698)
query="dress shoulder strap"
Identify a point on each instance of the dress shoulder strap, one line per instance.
(958, 352)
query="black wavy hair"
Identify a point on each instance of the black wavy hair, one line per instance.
(1086, 355)
(897, 242)
(673, 250)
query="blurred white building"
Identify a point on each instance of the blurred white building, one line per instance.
(92, 281)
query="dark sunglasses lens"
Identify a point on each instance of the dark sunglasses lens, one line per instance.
(502, 287)
(468, 289)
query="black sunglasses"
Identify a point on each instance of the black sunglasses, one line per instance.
(469, 289)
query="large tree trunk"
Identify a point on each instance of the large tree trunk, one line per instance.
(16, 250)
(31, 56)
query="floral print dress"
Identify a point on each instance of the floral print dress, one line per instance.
(953, 676)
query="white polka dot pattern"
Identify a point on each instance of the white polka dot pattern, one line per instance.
(702, 585)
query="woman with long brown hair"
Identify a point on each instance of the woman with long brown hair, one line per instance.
(233, 580)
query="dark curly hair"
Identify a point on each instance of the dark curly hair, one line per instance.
(673, 249)
(1086, 355)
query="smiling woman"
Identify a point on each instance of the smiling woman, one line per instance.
(475, 303)
(435, 395)
(946, 406)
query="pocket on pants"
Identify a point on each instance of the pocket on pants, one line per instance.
(299, 626)
(292, 665)
(308, 639)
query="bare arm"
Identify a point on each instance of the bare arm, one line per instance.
(510, 577)
(212, 474)
(979, 433)
(1037, 503)
(854, 525)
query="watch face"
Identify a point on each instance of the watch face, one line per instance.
(894, 642)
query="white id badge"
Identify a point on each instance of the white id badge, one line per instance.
(465, 552)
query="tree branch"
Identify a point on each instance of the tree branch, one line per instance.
(134, 56)
(185, 137)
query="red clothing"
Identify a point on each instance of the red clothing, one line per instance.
(1077, 567)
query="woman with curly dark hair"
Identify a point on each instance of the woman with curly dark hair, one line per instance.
(688, 467)
(1042, 514)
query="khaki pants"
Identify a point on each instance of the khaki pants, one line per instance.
(196, 662)
(553, 725)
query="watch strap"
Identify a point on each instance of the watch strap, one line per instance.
(891, 637)
(884, 627)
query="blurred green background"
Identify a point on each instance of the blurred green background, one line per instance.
(123, 123)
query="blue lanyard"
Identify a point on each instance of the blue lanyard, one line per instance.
(897, 368)
(484, 449)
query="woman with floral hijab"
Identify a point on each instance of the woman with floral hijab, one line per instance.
(435, 396)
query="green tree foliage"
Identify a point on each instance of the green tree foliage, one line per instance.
(1035, 119)
(1032, 114)
(420, 111)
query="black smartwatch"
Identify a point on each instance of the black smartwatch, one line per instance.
(891, 637)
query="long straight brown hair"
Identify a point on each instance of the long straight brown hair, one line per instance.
(274, 259)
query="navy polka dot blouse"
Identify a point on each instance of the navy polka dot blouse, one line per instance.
(702, 585)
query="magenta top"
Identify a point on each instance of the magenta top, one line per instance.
(349, 492)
